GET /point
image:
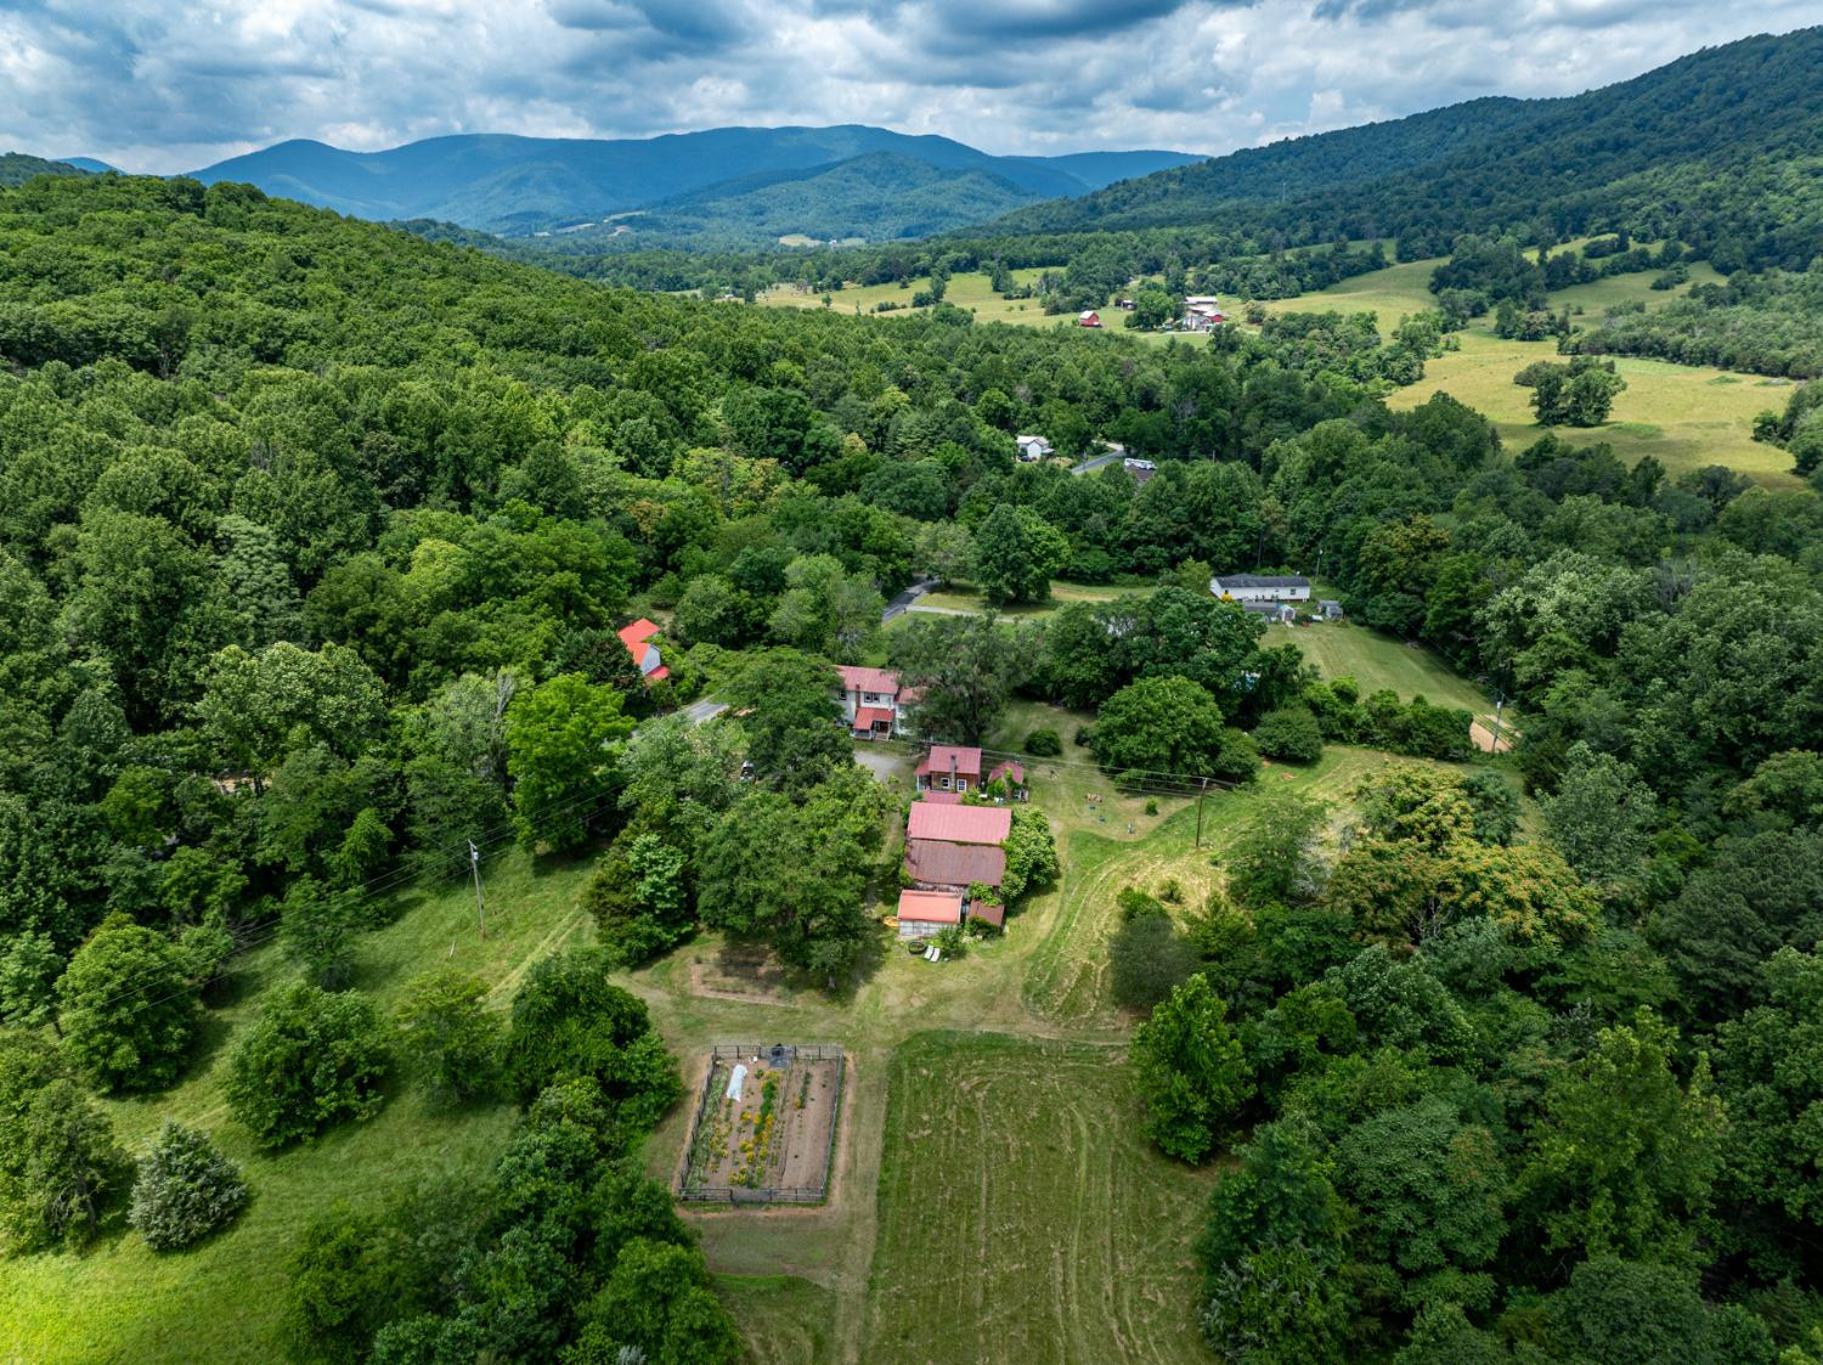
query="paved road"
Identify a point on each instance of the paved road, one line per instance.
(700, 711)
(902, 603)
(1090, 466)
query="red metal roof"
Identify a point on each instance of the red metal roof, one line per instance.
(959, 824)
(658, 674)
(855, 679)
(967, 761)
(637, 633)
(991, 912)
(944, 864)
(866, 717)
(931, 907)
(1013, 768)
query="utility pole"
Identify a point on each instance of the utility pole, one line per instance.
(1499, 702)
(474, 863)
(1199, 812)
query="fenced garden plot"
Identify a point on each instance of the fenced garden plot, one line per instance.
(765, 1125)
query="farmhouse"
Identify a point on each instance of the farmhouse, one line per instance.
(952, 847)
(1253, 587)
(638, 640)
(873, 703)
(1033, 448)
(949, 768)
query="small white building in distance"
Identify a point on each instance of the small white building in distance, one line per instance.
(1033, 448)
(1253, 587)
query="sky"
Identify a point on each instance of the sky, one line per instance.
(162, 86)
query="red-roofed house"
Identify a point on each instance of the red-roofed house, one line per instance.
(638, 640)
(950, 768)
(872, 703)
(923, 913)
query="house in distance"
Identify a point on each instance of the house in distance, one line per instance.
(1033, 448)
(638, 640)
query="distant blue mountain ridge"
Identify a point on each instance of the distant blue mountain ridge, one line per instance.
(517, 186)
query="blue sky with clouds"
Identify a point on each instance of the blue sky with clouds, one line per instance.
(159, 85)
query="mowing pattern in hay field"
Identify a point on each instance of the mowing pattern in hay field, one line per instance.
(1022, 1216)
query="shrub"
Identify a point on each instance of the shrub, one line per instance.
(1290, 733)
(60, 1169)
(1043, 744)
(1151, 805)
(185, 1189)
(317, 927)
(454, 1044)
(311, 1059)
(128, 1007)
(1084, 736)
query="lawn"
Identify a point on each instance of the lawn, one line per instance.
(1377, 661)
(1022, 1217)
(966, 599)
(955, 1227)
(223, 1300)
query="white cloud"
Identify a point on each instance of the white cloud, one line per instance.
(155, 86)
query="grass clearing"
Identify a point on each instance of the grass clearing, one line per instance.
(1062, 594)
(786, 1320)
(1022, 1217)
(222, 1300)
(1377, 661)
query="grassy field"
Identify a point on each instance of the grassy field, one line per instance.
(1376, 661)
(968, 290)
(1685, 415)
(221, 1301)
(1022, 1217)
(1062, 594)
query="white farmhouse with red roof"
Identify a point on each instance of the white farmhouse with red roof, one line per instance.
(873, 703)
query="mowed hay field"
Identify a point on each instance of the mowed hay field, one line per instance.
(1686, 416)
(1022, 1217)
(968, 290)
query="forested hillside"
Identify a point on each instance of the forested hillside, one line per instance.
(1713, 150)
(314, 537)
(16, 168)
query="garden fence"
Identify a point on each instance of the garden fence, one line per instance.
(775, 1055)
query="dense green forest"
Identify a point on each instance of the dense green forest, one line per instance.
(314, 537)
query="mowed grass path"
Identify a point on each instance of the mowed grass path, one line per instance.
(1022, 1217)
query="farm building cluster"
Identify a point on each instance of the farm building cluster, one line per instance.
(955, 855)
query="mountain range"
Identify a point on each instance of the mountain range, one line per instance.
(750, 184)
